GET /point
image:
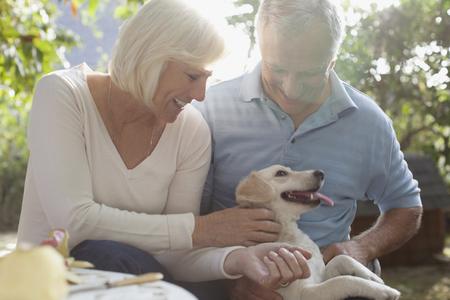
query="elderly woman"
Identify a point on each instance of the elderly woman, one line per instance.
(119, 159)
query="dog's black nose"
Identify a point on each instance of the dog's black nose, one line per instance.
(319, 174)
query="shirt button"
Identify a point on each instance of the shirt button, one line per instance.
(283, 117)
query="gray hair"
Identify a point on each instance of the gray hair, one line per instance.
(291, 17)
(161, 31)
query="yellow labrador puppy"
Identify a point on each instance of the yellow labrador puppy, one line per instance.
(289, 194)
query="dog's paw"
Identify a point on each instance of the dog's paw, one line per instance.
(373, 277)
(368, 276)
(346, 265)
(388, 293)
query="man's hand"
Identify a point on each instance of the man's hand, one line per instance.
(235, 226)
(246, 289)
(351, 248)
(392, 229)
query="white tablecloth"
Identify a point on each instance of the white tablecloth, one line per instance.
(159, 290)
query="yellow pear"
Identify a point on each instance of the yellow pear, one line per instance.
(33, 274)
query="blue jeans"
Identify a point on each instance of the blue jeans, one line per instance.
(118, 257)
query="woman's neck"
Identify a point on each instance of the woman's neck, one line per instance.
(125, 109)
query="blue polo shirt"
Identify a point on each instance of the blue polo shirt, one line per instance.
(349, 137)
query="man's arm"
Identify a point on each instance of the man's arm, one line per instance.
(392, 229)
(397, 195)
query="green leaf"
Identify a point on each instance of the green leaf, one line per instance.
(92, 7)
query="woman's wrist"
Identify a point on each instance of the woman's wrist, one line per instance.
(233, 264)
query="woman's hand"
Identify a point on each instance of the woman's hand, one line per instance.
(269, 264)
(235, 226)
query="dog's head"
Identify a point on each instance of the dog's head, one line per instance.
(282, 190)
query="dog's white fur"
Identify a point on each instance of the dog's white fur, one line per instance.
(343, 276)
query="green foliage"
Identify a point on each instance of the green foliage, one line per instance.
(245, 21)
(123, 11)
(30, 45)
(400, 57)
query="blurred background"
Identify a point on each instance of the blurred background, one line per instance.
(396, 51)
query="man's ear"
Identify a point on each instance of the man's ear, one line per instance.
(253, 190)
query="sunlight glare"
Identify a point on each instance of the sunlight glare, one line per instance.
(237, 42)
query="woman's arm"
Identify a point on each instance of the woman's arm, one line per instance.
(268, 264)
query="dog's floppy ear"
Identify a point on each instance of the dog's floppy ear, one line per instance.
(253, 190)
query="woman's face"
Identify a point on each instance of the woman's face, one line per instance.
(178, 85)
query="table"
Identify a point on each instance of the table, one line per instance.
(159, 290)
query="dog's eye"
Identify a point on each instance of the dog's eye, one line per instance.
(281, 173)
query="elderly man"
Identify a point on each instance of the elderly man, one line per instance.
(293, 109)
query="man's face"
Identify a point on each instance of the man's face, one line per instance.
(295, 71)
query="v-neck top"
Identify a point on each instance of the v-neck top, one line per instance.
(77, 180)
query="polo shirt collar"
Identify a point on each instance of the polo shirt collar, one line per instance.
(251, 88)
(339, 99)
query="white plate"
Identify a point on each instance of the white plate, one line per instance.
(159, 290)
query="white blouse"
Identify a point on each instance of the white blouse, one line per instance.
(77, 180)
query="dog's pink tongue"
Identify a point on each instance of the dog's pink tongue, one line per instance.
(325, 199)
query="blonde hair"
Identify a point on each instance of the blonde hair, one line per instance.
(162, 30)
